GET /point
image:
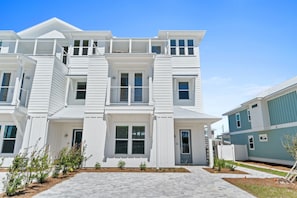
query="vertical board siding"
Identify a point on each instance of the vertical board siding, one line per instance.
(272, 149)
(162, 84)
(283, 109)
(41, 87)
(96, 84)
(245, 124)
(58, 88)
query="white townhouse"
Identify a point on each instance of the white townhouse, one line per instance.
(132, 99)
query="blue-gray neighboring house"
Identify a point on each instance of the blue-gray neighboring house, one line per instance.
(262, 122)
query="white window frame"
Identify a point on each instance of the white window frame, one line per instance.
(80, 90)
(263, 137)
(251, 137)
(249, 115)
(81, 47)
(183, 90)
(238, 120)
(185, 47)
(130, 139)
(2, 139)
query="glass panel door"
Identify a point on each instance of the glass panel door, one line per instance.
(124, 87)
(185, 147)
(138, 87)
(4, 86)
(77, 138)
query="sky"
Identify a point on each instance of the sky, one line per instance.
(249, 46)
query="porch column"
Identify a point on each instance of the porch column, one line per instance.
(67, 92)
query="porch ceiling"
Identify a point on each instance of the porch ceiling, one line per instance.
(183, 114)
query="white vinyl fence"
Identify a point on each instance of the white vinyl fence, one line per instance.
(233, 152)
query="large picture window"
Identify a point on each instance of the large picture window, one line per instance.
(9, 138)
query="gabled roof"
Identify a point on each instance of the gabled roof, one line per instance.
(53, 24)
(273, 91)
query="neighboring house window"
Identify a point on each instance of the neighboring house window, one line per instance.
(173, 47)
(9, 138)
(263, 137)
(5, 86)
(249, 115)
(65, 54)
(130, 140)
(81, 88)
(238, 121)
(251, 142)
(183, 90)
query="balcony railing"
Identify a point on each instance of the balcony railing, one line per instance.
(9, 95)
(129, 95)
(32, 47)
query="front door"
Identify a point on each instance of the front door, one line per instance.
(77, 138)
(185, 146)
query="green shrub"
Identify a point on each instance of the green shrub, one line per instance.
(231, 167)
(97, 165)
(142, 166)
(219, 164)
(121, 164)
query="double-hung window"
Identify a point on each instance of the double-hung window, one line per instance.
(190, 47)
(9, 139)
(80, 47)
(181, 44)
(251, 142)
(121, 144)
(81, 88)
(183, 90)
(138, 139)
(238, 121)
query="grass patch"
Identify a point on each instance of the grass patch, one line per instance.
(264, 189)
(266, 170)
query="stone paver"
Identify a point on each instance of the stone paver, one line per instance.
(198, 183)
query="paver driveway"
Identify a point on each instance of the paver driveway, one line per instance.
(198, 183)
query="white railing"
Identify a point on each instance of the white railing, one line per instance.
(7, 96)
(129, 95)
(32, 47)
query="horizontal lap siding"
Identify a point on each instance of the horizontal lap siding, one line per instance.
(283, 109)
(78, 65)
(41, 87)
(57, 97)
(162, 85)
(96, 85)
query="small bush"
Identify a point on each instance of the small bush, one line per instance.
(231, 167)
(97, 165)
(121, 164)
(142, 166)
(219, 164)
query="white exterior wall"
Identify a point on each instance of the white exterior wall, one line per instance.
(197, 142)
(96, 84)
(78, 65)
(162, 85)
(60, 135)
(41, 89)
(57, 95)
(36, 131)
(162, 154)
(94, 136)
(257, 121)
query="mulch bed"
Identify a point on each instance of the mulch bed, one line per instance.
(224, 170)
